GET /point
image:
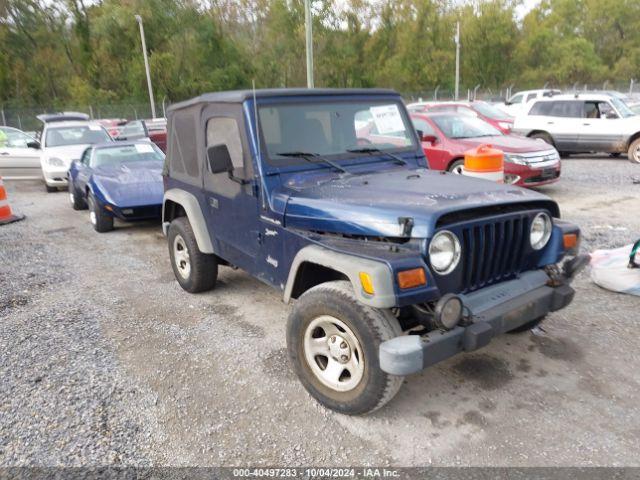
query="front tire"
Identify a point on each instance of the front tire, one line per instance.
(634, 151)
(102, 222)
(333, 342)
(50, 189)
(76, 200)
(457, 167)
(195, 271)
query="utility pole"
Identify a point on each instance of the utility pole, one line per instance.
(308, 21)
(457, 40)
(146, 66)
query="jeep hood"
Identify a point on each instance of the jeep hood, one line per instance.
(371, 204)
(130, 184)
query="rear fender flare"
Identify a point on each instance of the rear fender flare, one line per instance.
(192, 208)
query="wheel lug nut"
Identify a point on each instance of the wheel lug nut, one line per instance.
(343, 345)
(333, 339)
(344, 358)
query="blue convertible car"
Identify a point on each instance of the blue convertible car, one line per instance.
(122, 180)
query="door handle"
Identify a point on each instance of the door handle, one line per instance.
(4, 153)
(586, 124)
(550, 123)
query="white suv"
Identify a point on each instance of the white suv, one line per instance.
(62, 141)
(517, 103)
(583, 123)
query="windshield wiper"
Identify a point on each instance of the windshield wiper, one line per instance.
(397, 159)
(309, 156)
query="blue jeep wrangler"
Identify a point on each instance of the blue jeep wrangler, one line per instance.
(326, 196)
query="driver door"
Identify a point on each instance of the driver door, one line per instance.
(231, 205)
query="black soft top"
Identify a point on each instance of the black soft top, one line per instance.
(239, 96)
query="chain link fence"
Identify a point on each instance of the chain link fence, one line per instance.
(25, 118)
(629, 88)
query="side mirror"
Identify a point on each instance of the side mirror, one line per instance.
(611, 114)
(432, 139)
(33, 144)
(507, 103)
(219, 159)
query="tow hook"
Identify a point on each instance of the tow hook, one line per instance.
(562, 275)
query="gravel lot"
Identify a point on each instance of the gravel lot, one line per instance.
(106, 361)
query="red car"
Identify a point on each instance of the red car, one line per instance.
(445, 137)
(155, 130)
(487, 112)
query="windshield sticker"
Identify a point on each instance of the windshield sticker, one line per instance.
(144, 148)
(387, 119)
(95, 128)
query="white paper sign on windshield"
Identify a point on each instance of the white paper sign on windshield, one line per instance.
(387, 119)
(144, 148)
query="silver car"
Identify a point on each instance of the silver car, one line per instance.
(18, 159)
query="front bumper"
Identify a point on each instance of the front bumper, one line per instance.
(56, 178)
(533, 175)
(492, 311)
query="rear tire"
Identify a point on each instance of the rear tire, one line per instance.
(195, 271)
(528, 326)
(333, 343)
(456, 167)
(102, 222)
(543, 136)
(634, 151)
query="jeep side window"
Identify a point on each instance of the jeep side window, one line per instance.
(225, 131)
(531, 96)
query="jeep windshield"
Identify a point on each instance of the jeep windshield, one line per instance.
(332, 130)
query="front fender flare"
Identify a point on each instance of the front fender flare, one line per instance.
(192, 208)
(351, 266)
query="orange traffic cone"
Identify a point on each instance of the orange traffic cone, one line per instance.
(5, 210)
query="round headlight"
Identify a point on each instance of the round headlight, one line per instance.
(444, 252)
(540, 231)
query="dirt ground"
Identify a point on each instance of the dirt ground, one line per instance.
(105, 360)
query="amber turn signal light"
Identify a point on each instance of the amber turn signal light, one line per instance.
(412, 278)
(366, 282)
(570, 241)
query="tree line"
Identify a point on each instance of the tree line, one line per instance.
(88, 51)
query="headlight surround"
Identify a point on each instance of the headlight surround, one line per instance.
(55, 162)
(517, 159)
(444, 252)
(540, 231)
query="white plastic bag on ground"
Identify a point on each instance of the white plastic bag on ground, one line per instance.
(618, 269)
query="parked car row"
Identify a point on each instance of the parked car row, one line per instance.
(62, 139)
